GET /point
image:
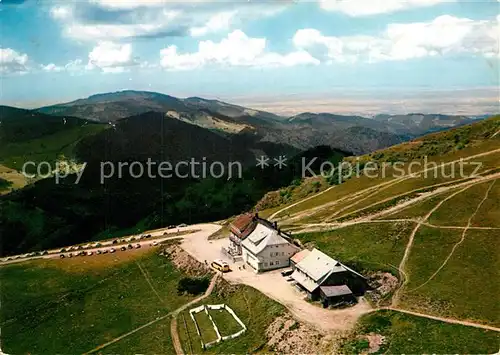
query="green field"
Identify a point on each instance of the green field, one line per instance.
(225, 322)
(467, 287)
(366, 246)
(74, 305)
(458, 209)
(420, 209)
(254, 309)
(206, 327)
(488, 214)
(408, 334)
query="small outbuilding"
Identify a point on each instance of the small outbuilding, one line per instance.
(332, 295)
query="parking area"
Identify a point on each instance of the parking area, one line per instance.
(147, 239)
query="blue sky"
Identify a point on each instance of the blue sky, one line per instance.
(63, 50)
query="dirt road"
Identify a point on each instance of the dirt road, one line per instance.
(158, 236)
(273, 285)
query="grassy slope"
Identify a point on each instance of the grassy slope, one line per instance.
(457, 210)
(467, 287)
(374, 246)
(407, 334)
(83, 304)
(489, 213)
(440, 147)
(47, 148)
(419, 209)
(254, 309)
(13, 177)
(400, 190)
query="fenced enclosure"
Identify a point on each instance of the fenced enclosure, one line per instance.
(220, 312)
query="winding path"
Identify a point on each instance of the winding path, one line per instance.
(469, 222)
(442, 319)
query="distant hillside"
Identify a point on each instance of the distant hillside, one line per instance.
(432, 224)
(349, 133)
(162, 138)
(27, 135)
(18, 125)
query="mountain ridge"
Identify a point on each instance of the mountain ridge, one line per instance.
(303, 131)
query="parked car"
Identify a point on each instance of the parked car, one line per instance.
(123, 248)
(155, 243)
(62, 250)
(130, 246)
(171, 226)
(115, 241)
(62, 256)
(90, 253)
(112, 250)
(182, 225)
(148, 236)
(70, 255)
(105, 251)
(286, 273)
(45, 252)
(137, 246)
(98, 252)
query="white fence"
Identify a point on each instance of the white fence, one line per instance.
(220, 338)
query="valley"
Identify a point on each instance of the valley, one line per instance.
(423, 231)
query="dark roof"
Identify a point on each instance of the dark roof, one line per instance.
(332, 291)
(243, 225)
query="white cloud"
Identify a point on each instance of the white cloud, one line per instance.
(52, 68)
(373, 7)
(444, 35)
(99, 20)
(132, 4)
(218, 22)
(111, 57)
(61, 12)
(236, 50)
(13, 62)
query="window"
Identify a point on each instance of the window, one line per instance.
(277, 262)
(271, 263)
(282, 253)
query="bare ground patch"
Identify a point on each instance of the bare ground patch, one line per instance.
(185, 262)
(287, 336)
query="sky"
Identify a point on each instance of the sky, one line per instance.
(328, 55)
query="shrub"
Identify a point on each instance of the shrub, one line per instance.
(193, 286)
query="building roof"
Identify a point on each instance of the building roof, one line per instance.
(332, 291)
(261, 237)
(242, 225)
(304, 281)
(317, 265)
(297, 258)
(315, 268)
